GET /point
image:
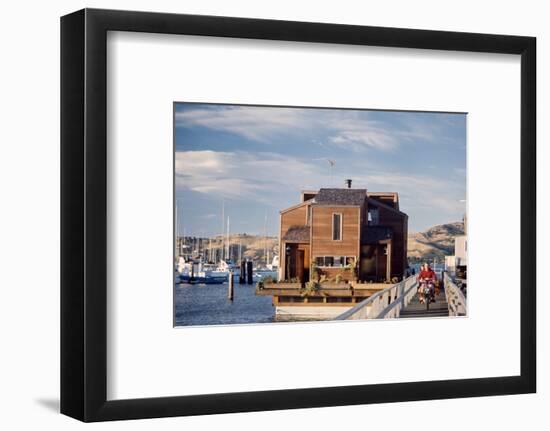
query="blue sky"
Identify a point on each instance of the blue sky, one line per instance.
(254, 161)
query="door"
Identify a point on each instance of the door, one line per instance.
(368, 262)
(300, 265)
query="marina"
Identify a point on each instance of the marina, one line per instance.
(343, 256)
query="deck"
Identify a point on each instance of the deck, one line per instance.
(439, 308)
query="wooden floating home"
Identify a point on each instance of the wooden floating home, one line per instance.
(337, 247)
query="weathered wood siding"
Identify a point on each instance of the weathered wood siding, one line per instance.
(322, 243)
(294, 217)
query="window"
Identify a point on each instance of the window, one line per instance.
(336, 227)
(334, 261)
(373, 216)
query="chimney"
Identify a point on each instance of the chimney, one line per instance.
(348, 183)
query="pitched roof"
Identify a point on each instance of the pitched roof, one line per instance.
(297, 233)
(375, 203)
(354, 197)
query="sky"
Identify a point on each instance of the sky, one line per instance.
(253, 161)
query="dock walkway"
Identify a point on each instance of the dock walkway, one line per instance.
(439, 308)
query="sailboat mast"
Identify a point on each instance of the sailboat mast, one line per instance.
(222, 256)
(265, 238)
(228, 256)
(240, 250)
(176, 254)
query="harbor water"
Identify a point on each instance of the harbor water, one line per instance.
(202, 304)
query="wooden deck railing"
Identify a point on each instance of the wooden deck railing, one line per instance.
(455, 298)
(386, 304)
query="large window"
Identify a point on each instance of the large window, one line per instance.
(336, 227)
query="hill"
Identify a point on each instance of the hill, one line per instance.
(253, 246)
(436, 242)
(250, 246)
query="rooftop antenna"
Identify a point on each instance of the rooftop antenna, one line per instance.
(331, 165)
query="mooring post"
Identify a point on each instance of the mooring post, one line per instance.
(242, 275)
(249, 272)
(230, 287)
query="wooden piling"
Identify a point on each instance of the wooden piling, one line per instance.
(242, 275)
(249, 272)
(230, 287)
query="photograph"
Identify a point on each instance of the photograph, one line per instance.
(292, 214)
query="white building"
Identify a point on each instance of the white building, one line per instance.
(461, 250)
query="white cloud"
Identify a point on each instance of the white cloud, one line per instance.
(353, 130)
(344, 128)
(255, 123)
(265, 177)
(274, 180)
(420, 192)
(359, 140)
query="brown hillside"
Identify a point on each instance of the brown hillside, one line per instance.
(436, 242)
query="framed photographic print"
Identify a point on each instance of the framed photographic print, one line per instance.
(262, 215)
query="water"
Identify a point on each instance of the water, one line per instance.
(201, 304)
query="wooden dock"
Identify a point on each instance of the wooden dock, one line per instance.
(439, 308)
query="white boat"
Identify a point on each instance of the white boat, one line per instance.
(274, 265)
(227, 266)
(200, 273)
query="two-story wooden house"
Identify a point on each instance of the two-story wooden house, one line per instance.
(338, 228)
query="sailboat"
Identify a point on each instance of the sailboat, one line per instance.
(226, 265)
(264, 271)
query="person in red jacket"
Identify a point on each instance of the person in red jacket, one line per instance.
(426, 275)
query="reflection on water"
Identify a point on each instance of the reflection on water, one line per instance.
(200, 304)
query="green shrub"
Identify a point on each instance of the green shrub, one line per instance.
(315, 273)
(311, 288)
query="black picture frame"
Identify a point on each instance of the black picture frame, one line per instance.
(84, 214)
